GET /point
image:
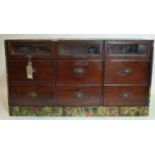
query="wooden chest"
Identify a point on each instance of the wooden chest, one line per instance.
(79, 77)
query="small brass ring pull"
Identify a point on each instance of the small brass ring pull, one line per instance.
(32, 94)
(125, 95)
(79, 71)
(126, 71)
(79, 95)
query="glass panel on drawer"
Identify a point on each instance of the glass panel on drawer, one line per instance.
(126, 50)
(79, 50)
(30, 48)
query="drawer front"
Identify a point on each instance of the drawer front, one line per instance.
(128, 49)
(79, 71)
(30, 48)
(43, 71)
(127, 72)
(79, 49)
(126, 95)
(78, 96)
(31, 95)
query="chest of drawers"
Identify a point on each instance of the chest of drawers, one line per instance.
(79, 77)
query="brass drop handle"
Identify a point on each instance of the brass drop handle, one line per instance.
(125, 95)
(32, 94)
(126, 71)
(79, 94)
(79, 71)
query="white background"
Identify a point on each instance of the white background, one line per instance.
(75, 136)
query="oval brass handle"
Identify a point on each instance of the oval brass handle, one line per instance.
(126, 71)
(32, 94)
(79, 94)
(125, 95)
(79, 71)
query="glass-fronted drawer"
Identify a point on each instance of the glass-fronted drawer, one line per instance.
(136, 49)
(79, 49)
(29, 48)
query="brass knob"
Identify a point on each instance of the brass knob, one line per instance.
(126, 71)
(32, 94)
(79, 71)
(125, 95)
(79, 94)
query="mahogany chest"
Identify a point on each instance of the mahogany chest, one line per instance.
(79, 77)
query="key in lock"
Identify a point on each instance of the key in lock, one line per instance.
(29, 69)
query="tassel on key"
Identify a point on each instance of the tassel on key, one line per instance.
(29, 70)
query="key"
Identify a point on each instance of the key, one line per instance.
(29, 70)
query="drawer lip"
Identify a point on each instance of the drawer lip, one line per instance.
(137, 96)
(65, 96)
(45, 95)
(128, 85)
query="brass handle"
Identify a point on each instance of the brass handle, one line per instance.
(125, 95)
(79, 71)
(126, 71)
(32, 94)
(79, 94)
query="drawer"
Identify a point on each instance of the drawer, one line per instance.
(79, 49)
(126, 96)
(79, 71)
(126, 72)
(78, 96)
(31, 95)
(30, 48)
(128, 49)
(43, 71)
